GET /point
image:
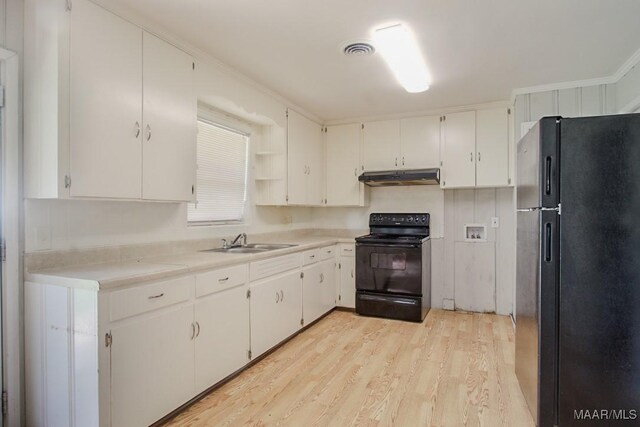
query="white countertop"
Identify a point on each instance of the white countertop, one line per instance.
(116, 274)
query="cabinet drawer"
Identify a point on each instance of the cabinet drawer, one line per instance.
(328, 252)
(347, 249)
(309, 257)
(220, 280)
(269, 267)
(142, 299)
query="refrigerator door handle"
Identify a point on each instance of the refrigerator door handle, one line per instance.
(547, 242)
(547, 180)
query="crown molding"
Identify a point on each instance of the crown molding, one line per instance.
(631, 62)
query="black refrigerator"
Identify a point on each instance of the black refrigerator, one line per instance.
(578, 271)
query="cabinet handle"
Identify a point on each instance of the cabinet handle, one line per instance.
(348, 250)
(471, 157)
(137, 129)
(223, 280)
(277, 297)
(281, 295)
(355, 172)
(148, 133)
(402, 160)
(198, 326)
(156, 296)
(479, 156)
(396, 161)
(193, 330)
(312, 256)
(352, 274)
(321, 277)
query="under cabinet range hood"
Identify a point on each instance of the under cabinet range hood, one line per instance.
(401, 177)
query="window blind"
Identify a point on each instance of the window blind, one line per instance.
(221, 182)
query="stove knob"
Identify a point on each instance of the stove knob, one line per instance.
(410, 219)
(424, 219)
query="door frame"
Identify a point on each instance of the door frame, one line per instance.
(11, 230)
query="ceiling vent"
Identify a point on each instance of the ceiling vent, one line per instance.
(359, 48)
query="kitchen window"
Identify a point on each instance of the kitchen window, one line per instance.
(221, 182)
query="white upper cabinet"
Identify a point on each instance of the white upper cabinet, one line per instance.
(343, 165)
(412, 143)
(475, 149)
(110, 111)
(305, 161)
(492, 146)
(105, 107)
(459, 146)
(169, 131)
(420, 142)
(381, 145)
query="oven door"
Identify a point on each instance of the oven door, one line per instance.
(389, 268)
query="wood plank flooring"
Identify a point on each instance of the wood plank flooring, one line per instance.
(454, 369)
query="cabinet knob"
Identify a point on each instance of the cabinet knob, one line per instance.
(148, 133)
(137, 129)
(479, 156)
(471, 157)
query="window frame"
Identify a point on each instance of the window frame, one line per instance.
(215, 118)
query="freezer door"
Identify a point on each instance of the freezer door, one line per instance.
(600, 266)
(537, 156)
(536, 312)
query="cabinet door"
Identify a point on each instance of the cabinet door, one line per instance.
(343, 165)
(492, 146)
(459, 145)
(169, 132)
(420, 142)
(381, 145)
(347, 282)
(151, 367)
(222, 341)
(301, 132)
(328, 284)
(105, 104)
(276, 310)
(315, 161)
(312, 292)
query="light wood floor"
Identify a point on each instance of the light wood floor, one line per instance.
(454, 369)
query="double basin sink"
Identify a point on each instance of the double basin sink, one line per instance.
(251, 248)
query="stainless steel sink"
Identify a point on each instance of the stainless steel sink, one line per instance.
(251, 248)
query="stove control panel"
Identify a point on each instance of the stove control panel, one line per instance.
(399, 219)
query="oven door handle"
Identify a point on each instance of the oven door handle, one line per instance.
(387, 245)
(387, 299)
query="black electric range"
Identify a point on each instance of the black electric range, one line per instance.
(393, 267)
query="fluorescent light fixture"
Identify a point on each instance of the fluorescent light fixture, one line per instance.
(402, 54)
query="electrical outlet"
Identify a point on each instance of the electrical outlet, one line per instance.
(495, 222)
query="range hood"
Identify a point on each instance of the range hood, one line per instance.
(401, 177)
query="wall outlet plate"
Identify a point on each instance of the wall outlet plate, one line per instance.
(448, 304)
(495, 222)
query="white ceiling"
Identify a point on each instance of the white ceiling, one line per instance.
(477, 50)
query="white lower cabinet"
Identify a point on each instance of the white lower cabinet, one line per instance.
(276, 310)
(129, 357)
(151, 367)
(347, 295)
(222, 335)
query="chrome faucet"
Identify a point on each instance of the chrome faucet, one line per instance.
(240, 237)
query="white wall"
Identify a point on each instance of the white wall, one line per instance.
(571, 102)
